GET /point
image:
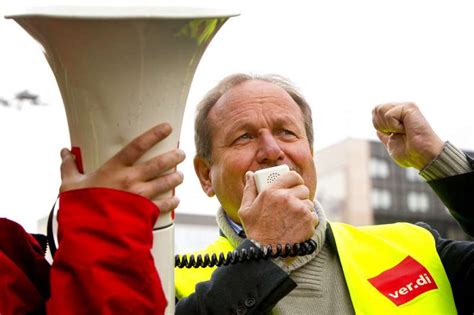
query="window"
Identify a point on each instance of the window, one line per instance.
(381, 199)
(412, 174)
(418, 202)
(332, 193)
(378, 168)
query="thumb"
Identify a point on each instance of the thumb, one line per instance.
(250, 190)
(68, 165)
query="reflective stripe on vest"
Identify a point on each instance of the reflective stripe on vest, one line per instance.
(393, 269)
(186, 279)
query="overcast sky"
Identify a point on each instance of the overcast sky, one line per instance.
(346, 56)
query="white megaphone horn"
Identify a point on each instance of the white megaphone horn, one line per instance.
(120, 72)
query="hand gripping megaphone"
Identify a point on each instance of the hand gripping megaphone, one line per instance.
(121, 71)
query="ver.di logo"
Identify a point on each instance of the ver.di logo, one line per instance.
(404, 282)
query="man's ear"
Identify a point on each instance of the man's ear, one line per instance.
(203, 172)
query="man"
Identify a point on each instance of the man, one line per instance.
(248, 123)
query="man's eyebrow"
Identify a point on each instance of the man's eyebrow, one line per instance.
(234, 127)
(285, 119)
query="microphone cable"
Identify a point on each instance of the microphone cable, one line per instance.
(238, 256)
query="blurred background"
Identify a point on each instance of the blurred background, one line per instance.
(346, 57)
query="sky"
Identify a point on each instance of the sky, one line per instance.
(345, 56)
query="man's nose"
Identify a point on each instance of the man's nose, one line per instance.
(268, 148)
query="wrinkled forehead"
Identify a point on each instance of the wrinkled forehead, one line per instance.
(254, 95)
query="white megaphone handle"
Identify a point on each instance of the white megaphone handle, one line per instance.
(163, 254)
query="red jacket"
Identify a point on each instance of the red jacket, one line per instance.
(103, 264)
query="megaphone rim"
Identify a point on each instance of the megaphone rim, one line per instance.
(123, 12)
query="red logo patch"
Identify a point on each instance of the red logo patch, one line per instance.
(404, 282)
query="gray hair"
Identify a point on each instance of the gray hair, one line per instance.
(202, 130)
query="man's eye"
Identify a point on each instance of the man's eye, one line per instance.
(243, 138)
(286, 132)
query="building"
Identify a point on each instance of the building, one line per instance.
(358, 183)
(194, 232)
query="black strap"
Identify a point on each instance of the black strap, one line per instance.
(49, 231)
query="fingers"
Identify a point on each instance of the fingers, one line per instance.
(309, 204)
(167, 204)
(287, 180)
(383, 137)
(161, 164)
(307, 220)
(294, 182)
(301, 192)
(300, 207)
(138, 146)
(160, 185)
(68, 165)
(388, 118)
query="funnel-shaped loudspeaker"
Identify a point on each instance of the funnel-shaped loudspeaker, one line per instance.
(121, 71)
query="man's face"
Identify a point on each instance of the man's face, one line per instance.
(254, 125)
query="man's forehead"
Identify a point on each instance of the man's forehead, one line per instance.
(251, 91)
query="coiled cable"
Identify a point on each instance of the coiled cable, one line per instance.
(237, 256)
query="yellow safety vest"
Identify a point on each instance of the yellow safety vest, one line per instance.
(389, 269)
(393, 269)
(185, 279)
